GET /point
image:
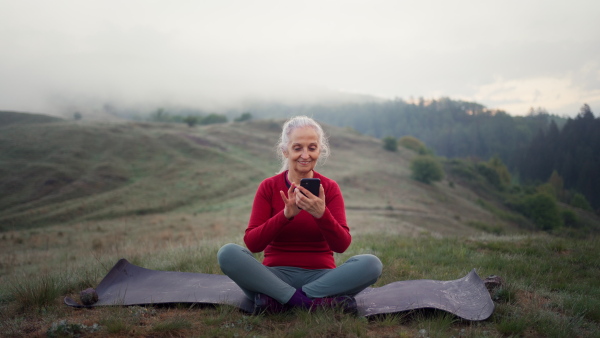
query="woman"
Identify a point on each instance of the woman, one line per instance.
(298, 233)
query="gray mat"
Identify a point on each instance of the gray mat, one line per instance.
(128, 284)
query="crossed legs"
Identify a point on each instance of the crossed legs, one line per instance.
(280, 283)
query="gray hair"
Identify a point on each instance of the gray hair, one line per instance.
(293, 124)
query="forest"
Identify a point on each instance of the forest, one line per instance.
(569, 155)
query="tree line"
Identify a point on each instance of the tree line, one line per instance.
(568, 157)
(194, 117)
(452, 128)
(532, 146)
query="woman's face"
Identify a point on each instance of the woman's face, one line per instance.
(303, 150)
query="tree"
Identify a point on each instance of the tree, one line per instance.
(585, 112)
(77, 116)
(244, 117)
(160, 115)
(503, 173)
(390, 143)
(191, 120)
(558, 185)
(577, 155)
(426, 169)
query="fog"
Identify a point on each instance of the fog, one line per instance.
(57, 56)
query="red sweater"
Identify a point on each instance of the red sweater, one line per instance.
(304, 242)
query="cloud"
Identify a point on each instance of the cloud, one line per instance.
(557, 94)
(211, 54)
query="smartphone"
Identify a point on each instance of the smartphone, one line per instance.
(311, 184)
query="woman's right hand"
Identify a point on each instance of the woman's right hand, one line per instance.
(291, 209)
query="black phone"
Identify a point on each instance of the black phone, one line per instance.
(311, 184)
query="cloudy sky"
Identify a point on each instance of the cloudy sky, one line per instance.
(507, 54)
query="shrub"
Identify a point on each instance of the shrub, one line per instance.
(490, 174)
(569, 219)
(414, 144)
(390, 143)
(426, 169)
(579, 201)
(461, 168)
(541, 209)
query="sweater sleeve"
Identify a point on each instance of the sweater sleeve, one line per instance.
(333, 224)
(262, 227)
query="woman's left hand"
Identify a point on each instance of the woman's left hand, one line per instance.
(291, 209)
(314, 205)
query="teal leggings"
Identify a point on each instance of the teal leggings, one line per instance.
(280, 282)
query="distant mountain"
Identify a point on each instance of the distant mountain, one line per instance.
(9, 117)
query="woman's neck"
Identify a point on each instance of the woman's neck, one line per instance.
(296, 177)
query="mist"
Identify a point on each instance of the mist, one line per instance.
(67, 55)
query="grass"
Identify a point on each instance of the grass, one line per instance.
(172, 326)
(36, 293)
(167, 197)
(510, 323)
(493, 229)
(534, 300)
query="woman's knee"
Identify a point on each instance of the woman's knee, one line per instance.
(227, 254)
(370, 264)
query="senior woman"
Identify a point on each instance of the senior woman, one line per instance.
(298, 232)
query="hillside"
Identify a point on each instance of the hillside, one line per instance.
(70, 172)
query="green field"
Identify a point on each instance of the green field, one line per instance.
(75, 197)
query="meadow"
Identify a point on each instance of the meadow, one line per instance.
(78, 196)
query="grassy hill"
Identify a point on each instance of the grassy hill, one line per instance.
(72, 172)
(75, 197)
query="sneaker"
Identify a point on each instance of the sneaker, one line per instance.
(266, 304)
